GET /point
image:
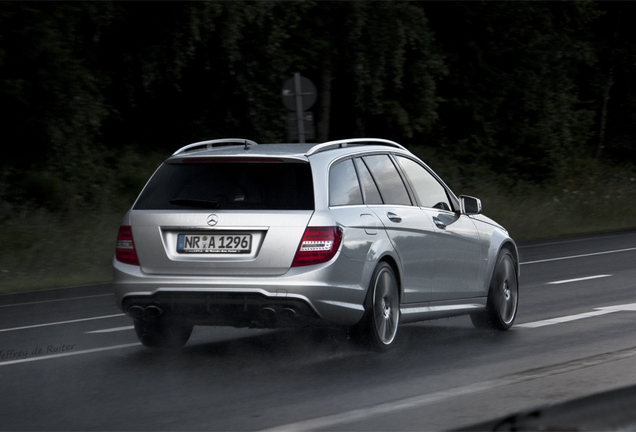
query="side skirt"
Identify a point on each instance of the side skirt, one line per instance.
(413, 312)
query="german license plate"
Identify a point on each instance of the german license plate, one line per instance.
(214, 243)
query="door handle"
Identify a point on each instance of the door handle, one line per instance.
(439, 224)
(393, 217)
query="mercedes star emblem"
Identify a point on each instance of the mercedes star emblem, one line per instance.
(213, 220)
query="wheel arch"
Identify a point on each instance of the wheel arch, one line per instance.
(499, 242)
(394, 266)
(510, 246)
(382, 250)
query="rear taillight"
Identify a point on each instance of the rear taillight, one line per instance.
(319, 245)
(126, 251)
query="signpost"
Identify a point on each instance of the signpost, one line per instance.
(299, 94)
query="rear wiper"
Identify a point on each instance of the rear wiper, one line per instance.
(207, 204)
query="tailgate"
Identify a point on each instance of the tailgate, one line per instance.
(241, 243)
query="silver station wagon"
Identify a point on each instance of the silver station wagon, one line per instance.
(357, 232)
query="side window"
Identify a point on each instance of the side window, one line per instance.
(344, 188)
(388, 179)
(371, 193)
(429, 192)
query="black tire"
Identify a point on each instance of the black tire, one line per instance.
(503, 296)
(162, 334)
(379, 325)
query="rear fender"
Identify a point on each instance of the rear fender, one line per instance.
(382, 250)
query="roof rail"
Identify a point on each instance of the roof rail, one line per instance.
(216, 143)
(353, 141)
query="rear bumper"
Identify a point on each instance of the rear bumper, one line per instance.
(304, 296)
(222, 309)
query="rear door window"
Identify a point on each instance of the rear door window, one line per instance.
(371, 193)
(233, 185)
(429, 192)
(344, 188)
(388, 179)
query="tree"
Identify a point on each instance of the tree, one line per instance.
(49, 92)
(377, 68)
(611, 84)
(512, 97)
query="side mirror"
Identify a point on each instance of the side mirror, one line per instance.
(470, 205)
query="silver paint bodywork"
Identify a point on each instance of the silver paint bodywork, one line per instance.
(443, 259)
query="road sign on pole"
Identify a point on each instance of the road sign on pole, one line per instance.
(308, 126)
(299, 94)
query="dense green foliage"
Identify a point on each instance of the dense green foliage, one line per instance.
(525, 88)
(501, 97)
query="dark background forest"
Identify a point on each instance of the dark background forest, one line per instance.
(529, 105)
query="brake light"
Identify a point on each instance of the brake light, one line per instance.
(125, 251)
(319, 245)
(231, 160)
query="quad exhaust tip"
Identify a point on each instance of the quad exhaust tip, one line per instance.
(135, 311)
(269, 313)
(288, 313)
(151, 311)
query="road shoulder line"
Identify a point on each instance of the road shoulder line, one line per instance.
(330, 421)
(66, 354)
(60, 322)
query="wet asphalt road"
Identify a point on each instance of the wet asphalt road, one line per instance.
(69, 360)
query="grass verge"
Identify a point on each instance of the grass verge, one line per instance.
(42, 249)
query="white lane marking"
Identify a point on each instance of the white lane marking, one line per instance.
(578, 279)
(563, 319)
(110, 330)
(631, 307)
(60, 322)
(71, 353)
(579, 256)
(330, 421)
(55, 300)
(550, 243)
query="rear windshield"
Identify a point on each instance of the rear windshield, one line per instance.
(266, 186)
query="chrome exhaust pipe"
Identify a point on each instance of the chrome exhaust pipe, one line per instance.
(135, 311)
(288, 313)
(152, 311)
(267, 313)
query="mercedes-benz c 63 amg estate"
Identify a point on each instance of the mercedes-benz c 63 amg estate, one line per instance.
(358, 233)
